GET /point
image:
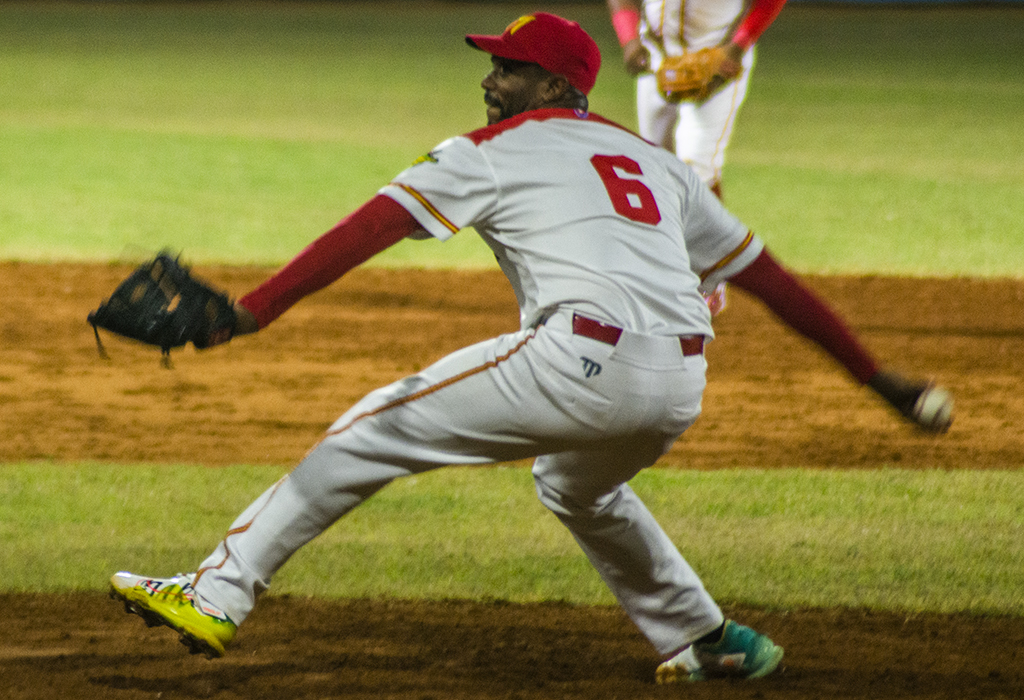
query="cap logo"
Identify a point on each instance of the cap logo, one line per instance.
(519, 24)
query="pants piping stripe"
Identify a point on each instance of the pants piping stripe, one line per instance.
(432, 389)
(236, 531)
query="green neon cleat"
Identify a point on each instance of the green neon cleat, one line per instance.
(173, 602)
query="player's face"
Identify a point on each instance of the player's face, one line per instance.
(511, 88)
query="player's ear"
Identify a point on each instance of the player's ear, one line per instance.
(554, 88)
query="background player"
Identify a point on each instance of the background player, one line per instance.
(605, 239)
(698, 133)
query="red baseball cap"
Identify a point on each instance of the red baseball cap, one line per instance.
(555, 44)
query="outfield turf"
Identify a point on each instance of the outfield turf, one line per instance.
(874, 139)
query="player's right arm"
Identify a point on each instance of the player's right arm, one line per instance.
(805, 312)
(722, 249)
(625, 16)
(921, 402)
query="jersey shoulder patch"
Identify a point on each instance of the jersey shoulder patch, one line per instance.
(434, 155)
(426, 158)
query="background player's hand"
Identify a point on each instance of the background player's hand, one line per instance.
(730, 68)
(636, 57)
(735, 53)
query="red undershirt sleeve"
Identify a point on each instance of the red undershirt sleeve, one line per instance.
(762, 14)
(806, 313)
(377, 225)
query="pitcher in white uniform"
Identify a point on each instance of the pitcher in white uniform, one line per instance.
(606, 240)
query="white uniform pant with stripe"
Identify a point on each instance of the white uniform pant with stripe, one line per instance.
(697, 133)
(593, 414)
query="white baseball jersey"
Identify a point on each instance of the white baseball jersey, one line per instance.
(586, 219)
(582, 213)
(672, 27)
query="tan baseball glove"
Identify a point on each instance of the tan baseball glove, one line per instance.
(695, 76)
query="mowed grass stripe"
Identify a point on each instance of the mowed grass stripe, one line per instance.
(890, 539)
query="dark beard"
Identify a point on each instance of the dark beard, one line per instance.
(491, 101)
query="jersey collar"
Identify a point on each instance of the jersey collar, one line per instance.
(537, 115)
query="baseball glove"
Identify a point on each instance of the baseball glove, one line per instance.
(162, 304)
(697, 75)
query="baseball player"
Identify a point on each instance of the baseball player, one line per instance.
(698, 133)
(606, 241)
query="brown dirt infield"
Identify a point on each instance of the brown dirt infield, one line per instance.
(772, 401)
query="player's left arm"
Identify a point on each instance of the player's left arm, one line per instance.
(758, 18)
(453, 173)
(374, 227)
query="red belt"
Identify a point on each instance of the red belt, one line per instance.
(607, 333)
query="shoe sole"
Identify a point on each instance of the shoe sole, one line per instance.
(195, 644)
(769, 664)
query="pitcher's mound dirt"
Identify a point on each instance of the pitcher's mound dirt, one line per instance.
(83, 646)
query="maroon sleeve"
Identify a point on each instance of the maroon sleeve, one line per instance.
(762, 14)
(803, 311)
(377, 225)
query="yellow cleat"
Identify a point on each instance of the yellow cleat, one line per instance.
(173, 602)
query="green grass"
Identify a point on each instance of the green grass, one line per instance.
(892, 539)
(236, 133)
(874, 139)
(869, 144)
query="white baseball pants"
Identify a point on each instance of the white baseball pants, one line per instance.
(697, 133)
(596, 414)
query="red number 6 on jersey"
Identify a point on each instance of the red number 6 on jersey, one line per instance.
(629, 196)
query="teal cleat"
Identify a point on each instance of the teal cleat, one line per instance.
(740, 653)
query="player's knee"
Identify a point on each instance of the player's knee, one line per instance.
(571, 506)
